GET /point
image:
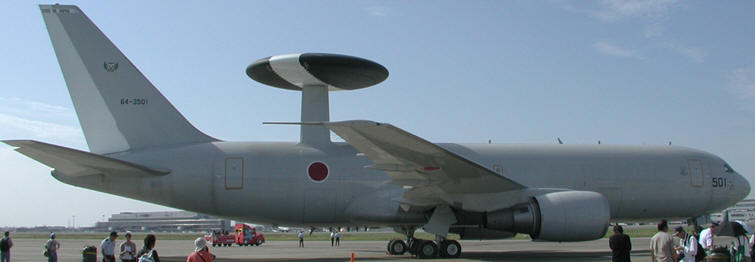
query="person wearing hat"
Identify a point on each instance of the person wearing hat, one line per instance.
(107, 247)
(201, 252)
(688, 245)
(51, 248)
(706, 237)
(128, 249)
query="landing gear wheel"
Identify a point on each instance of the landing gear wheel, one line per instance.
(450, 249)
(426, 249)
(396, 247)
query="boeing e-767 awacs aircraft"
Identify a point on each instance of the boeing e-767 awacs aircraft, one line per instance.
(143, 148)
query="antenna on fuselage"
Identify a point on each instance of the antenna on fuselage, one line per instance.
(315, 74)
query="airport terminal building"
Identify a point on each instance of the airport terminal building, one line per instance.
(743, 211)
(168, 221)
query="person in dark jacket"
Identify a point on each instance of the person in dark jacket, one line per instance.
(620, 245)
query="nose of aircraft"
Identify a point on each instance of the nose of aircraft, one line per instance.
(743, 190)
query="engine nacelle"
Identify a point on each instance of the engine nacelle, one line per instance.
(573, 216)
(557, 216)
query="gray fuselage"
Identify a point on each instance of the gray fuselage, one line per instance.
(269, 182)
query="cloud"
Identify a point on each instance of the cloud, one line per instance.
(613, 50)
(694, 54)
(20, 118)
(653, 30)
(743, 85)
(639, 7)
(379, 11)
(612, 10)
(13, 126)
(22, 107)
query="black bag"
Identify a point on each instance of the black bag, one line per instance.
(4, 245)
(700, 256)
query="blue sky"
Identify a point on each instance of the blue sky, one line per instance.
(641, 72)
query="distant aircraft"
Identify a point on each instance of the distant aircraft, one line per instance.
(281, 229)
(143, 148)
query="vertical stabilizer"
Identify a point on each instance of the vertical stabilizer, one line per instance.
(118, 108)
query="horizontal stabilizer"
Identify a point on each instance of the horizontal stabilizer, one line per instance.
(74, 162)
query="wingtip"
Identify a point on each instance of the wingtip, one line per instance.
(16, 142)
(47, 8)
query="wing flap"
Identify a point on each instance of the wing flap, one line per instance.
(74, 162)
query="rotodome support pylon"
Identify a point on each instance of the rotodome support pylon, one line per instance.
(315, 74)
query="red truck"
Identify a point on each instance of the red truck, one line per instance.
(246, 235)
(220, 239)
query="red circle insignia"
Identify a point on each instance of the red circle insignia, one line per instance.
(318, 171)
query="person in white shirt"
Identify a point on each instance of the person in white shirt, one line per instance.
(751, 243)
(301, 238)
(332, 238)
(338, 238)
(742, 246)
(662, 244)
(688, 245)
(706, 237)
(107, 247)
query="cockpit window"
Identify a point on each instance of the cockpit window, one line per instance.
(728, 169)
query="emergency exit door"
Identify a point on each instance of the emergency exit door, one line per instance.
(234, 173)
(695, 172)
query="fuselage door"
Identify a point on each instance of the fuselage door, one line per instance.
(234, 173)
(695, 172)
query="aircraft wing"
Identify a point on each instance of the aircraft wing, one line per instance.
(429, 170)
(74, 162)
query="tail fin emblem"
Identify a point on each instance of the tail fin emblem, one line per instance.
(111, 66)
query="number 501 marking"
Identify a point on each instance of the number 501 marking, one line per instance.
(718, 182)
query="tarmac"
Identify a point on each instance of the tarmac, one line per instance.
(321, 251)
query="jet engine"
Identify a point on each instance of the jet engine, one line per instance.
(557, 216)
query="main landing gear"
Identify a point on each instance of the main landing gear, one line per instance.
(424, 248)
